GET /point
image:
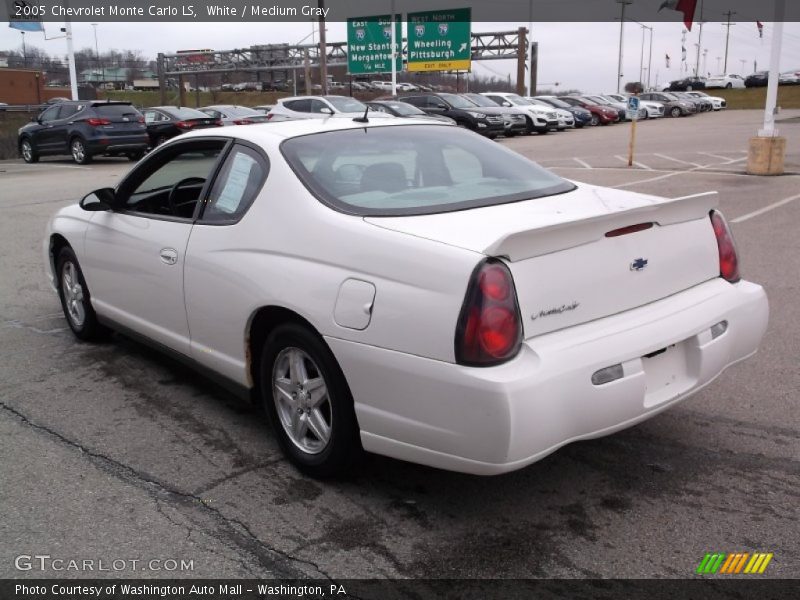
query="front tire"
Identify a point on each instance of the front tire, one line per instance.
(675, 112)
(307, 399)
(595, 121)
(29, 155)
(75, 298)
(77, 148)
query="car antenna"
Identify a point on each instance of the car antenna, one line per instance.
(363, 119)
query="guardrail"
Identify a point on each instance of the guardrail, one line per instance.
(31, 108)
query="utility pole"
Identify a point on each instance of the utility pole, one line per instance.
(730, 14)
(650, 59)
(641, 57)
(623, 4)
(24, 52)
(743, 61)
(323, 50)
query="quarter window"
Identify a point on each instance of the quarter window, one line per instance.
(236, 186)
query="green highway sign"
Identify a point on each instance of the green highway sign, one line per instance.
(439, 40)
(369, 43)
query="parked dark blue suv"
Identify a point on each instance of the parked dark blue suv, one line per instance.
(84, 129)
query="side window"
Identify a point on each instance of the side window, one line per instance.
(378, 108)
(236, 186)
(150, 116)
(51, 114)
(318, 105)
(298, 105)
(171, 181)
(498, 99)
(67, 110)
(418, 101)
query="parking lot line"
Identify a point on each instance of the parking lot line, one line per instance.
(638, 164)
(715, 155)
(583, 163)
(765, 209)
(678, 160)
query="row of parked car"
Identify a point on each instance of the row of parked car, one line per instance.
(84, 129)
(731, 81)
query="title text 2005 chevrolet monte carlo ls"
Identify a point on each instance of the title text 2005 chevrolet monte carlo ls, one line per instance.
(408, 288)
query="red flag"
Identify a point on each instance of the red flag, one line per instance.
(687, 7)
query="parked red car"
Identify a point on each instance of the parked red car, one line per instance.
(601, 115)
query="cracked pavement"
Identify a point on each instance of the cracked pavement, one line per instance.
(114, 451)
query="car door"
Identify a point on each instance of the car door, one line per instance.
(134, 254)
(44, 138)
(59, 133)
(220, 265)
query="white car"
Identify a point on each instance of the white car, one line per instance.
(716, 101)
(648, 108)
(544, 119)
(565, 118)
(729, 80)
(317, 107)
(408, 288)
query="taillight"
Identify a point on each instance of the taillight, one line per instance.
(141, 119)
(183, 125)
(242, 122)
(728, 259)
(269, 116)
(218, 122)
(95, 122)
(489, 329)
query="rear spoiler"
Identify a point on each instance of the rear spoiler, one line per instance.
(527, 243)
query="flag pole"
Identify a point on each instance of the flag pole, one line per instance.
(73, 76)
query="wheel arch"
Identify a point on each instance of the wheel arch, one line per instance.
(261, 323)
(57, 243)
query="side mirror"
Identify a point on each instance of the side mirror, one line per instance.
(326, 111)
(507, 104)
(36, 120)
(442, 106)
(98, 200)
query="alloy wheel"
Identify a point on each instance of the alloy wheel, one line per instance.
(78, 151)
(73, 294)
(27, 151)
(301, 400)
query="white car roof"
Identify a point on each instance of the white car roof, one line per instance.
(267, 133)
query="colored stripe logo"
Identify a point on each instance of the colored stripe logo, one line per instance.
(734, 563)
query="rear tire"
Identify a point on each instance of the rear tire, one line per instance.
(729, 86)
(308, 401)
(135, 156)
(595, 121)
(77, 148)
(75, 298)
(29, 155)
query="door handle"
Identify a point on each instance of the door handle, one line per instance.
(169, 256)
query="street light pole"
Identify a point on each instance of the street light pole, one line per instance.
(24, 52)
(323, 50)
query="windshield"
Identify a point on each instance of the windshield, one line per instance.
(555, 102)
(345, 104)
(598, 100)
(412, 170)
(404, 108)
(518, 100)
(482, 100)
(457, 101)
(671, 96)
(580, 101)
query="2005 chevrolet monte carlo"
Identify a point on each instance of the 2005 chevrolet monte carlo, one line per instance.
(408, 288)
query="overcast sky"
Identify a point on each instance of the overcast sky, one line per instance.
(576, 55)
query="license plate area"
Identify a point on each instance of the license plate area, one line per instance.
(666, 373)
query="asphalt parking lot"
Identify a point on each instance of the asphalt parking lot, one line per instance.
(114, 451)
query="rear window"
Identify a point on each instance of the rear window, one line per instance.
(188, 113)
(115, 110)
(414, 170)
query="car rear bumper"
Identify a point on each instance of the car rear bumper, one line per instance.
(494, 420)
(118, 144)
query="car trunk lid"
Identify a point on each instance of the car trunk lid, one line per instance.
(567, 269)
(123, 119)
